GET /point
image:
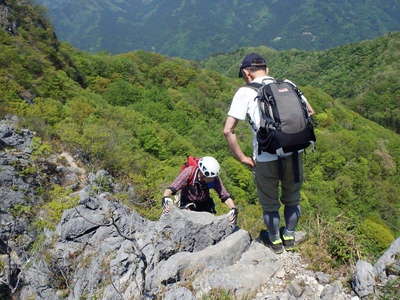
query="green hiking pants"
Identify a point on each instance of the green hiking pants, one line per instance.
(267, 182)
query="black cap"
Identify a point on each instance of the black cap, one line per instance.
(252, 60)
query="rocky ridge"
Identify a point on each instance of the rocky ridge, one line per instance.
(23, 179)
(367, 278)
(103, 249)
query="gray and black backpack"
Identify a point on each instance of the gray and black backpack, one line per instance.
(285, 123)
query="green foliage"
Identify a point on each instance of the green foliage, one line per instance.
(58, 200)
(332, 241)
(220, 294)
(341, 246)
(323, 119)
(217, 294)
(38, 244)
(2, 266)
(173, 73)
(40, 148)
(240, 181)
(27, 171)
(20, 210)
(121, 92)
(376, 235)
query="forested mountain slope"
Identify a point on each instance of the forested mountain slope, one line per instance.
(140, 114)
(365, 75)
(198, 28)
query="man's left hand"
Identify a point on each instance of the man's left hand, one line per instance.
(232, 215)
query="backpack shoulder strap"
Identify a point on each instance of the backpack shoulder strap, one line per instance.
(192, 177)
(257, 88)
(254, 86)
(191, 162)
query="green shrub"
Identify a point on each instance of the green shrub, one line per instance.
(120, 92)
(1, 265)
(218, 294)
(324, 120)
(58, 200)
(376, 236)
(20, 210)
(46, 109)
(40, 148)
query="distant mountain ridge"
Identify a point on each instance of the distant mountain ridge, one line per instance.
(196, 29)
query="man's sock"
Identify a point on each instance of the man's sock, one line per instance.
(271, 220)
(292, 215)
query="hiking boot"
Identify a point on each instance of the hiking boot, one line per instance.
(277, 246)
(288, 242)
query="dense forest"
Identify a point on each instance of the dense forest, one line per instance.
(365, 75)
(197, 28)
(140, 114)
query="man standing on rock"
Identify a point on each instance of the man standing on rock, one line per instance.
(194, 181)
(270, 169)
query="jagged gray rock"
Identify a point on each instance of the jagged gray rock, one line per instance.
(79, 222)
(6, 19)
(296, 289)
(363, 282)
(10, 137)
(18, 182)
(254, 269)
(333, 291)
(178, 293)
(184, 230)
(294, 278)
(70, 177)
(366, 276)
(323, 278)
(39, 285)
(186, 265)
(21, 179)
(107, 250)
(389, 258)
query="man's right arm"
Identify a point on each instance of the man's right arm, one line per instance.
(229, 133)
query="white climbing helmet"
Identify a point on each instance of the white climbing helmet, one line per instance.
(209, 166)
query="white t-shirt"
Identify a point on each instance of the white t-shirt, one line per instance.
(244, 104)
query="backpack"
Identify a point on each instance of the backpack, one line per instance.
(285, 123)
(191, 161)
